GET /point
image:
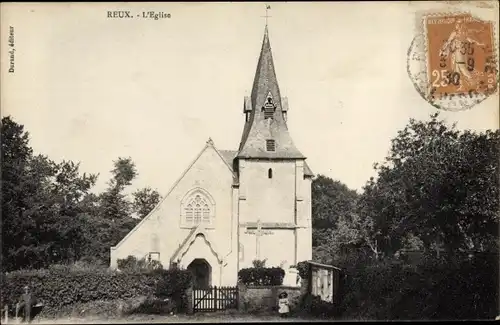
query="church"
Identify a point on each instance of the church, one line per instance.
(231, 207)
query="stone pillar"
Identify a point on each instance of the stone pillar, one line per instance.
(189, 295)
(304, 286)
(241, 297)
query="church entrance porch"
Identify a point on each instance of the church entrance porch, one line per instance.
(202, 273)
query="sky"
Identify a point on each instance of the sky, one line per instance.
(91, 89)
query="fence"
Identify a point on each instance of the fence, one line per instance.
(215, 299)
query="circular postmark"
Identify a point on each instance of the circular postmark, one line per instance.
(452, 63)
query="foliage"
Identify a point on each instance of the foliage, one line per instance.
(124, 172)
(407, 245)
(155, 305)
(437, 185)
(42, 204)
(103, 309)
(261, 276)
(332, 203)
(303, 268)
(60, 286)
(132, 264)
(50, 215)
(259, 263)
(330, 200)
(145, 200)
(313, 305)
(390, 289)
(113, 202)
(173, 285)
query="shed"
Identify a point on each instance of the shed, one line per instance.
(324, 281)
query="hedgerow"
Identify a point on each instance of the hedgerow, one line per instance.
(390, 289)
(261, 276)
(62, 286)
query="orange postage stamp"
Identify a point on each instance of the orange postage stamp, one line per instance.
(460, 57)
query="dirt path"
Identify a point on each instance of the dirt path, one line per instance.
(198, 318)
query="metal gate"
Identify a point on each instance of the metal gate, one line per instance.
(215, 299)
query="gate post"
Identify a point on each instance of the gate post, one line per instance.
(241, 289)
(190, 300)
(215, 305)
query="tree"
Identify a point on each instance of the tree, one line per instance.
(124, 172)
(436, 184)
(114, 204)
(330, 200)
(114, 219)
(145, 200)
(41, 203)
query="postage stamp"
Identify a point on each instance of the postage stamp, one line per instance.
(453, 62)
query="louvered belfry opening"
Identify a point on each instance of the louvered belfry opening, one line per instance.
(270, 145)
(266, 110)
(269, 108)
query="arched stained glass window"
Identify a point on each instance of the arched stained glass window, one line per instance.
(197, 210)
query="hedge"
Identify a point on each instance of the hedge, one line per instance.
(261, 276)
(391, 289)
(60, 286)
(303, 268)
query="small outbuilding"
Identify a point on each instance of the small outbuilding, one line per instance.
(324, 281)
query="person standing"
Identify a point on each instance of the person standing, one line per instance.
(284, 309)
(25, 305)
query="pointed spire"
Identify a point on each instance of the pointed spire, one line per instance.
(265, 76)
(266, 123)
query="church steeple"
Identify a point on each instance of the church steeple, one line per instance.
(265, 134)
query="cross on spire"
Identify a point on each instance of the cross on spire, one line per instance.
(267, 16)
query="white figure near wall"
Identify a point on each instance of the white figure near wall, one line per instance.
(290, 279)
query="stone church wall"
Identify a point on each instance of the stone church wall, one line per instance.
(270, 199)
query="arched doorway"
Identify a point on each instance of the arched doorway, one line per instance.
(202, 273)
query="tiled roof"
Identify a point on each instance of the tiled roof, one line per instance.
(307, 170)
(258, 129)
(228, 156)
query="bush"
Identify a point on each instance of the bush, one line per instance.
(132, 264)
(173, 285)
(313, 305)
(60, 286)
(259, 263)
(261, 276)
(156, 305)
(303, 268)
(389, 289)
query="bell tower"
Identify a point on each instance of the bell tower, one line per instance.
(274, 179)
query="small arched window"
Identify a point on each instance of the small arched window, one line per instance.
(270, 173)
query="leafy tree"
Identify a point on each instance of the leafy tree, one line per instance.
(145, 200)
(439, 185)
(114, 204)
(41, 203)
(124, 172)
(114, 215)
(330, 201)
